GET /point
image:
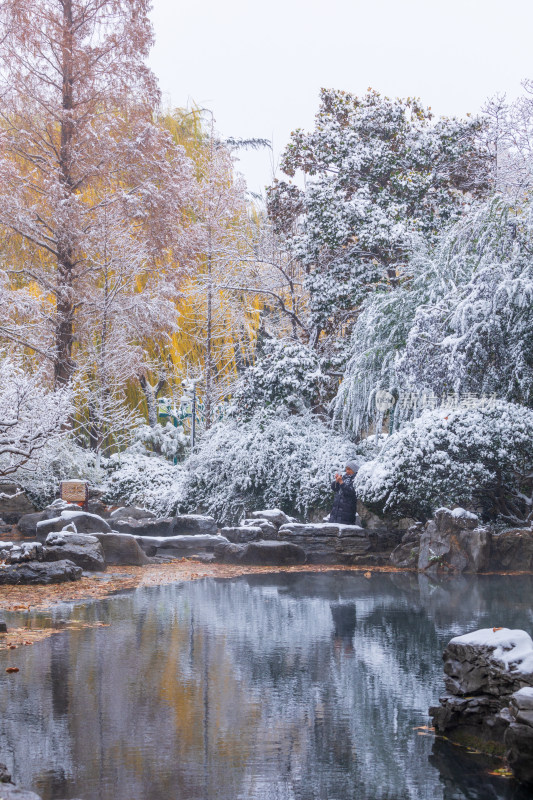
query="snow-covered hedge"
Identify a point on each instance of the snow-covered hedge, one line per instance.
(134, 478)
(480, 454)
(283, 460)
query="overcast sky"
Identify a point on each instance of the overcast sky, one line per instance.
(259, 66)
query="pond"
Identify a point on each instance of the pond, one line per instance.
(294, 686)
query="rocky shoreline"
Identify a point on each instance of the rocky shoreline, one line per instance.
(488, 703)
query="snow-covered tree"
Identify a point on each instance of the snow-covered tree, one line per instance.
(286, 374)
(78, 145)
(31, 417)
(377, 172)
(478, 454)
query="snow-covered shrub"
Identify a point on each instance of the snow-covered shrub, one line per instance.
(61, 459)
(272, 459)
(166, 440)
(135, 478)
(468, 454)
(286, 374)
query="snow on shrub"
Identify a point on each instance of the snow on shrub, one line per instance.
(134, 478)
(480, 454)
(280, 460)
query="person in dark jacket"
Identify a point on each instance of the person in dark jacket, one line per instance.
(345, 502)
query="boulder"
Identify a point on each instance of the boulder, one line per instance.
(122, 549)
(25, 551)
(35, 572)
(268, 529)
(273, 553)
(5, 776)
(482, 670)
(519, 736)
(179, 546)
(131, 512)
(144, 527)
(27, 524)
(193, 524)
(243, 533)
(274, 515)
(99, 508)
(512, 550)
(405, 555)
(80, 548)
(82, 521)
(454, 541)
(14, 503)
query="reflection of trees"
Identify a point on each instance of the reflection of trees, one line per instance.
(289, 687)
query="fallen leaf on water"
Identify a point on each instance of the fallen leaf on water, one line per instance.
(12, 669)
(368, 575)
(502, 772)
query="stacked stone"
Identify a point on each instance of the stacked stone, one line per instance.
(519, 735)
(489, 682)
(328, 543)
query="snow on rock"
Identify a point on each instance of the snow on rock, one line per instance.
(82, 520)
(274, 515)
(510, 650)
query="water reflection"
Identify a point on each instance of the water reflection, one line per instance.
(271, 687)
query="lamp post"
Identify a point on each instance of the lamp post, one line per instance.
(190, 386)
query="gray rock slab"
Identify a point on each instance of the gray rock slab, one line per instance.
(243, 533)
(179, 545)
(39, 572)
(193, 524)
(122, 549)
(268, 529)
(454, 541)
(512, 550)
(163, 526)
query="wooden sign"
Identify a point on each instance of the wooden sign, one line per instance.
(75, 491)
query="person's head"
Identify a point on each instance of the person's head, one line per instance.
(351, 467)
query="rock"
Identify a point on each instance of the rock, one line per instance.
(260, 553)
(193, 524)
(406, 553)
(25, 551)
(122, 549)
(268, 529)
(144, 527)
(273, 553)
(83, 522)
(179, 546)
(512, 550)
(327, 543)
(5, 776)
(35, 572)
(274, 515)
(14, 503)
(80, 548)
(27, 524)
(519, 736)
(10, 792)
(483, 669)
(99, 508)
(3, 629)
(453, 541)
(368, 519)
(131, 512)
(243, 534)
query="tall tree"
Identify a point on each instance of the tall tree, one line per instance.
(77, 139)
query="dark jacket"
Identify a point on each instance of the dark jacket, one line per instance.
(345, 502)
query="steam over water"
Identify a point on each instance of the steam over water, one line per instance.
(269, 687)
